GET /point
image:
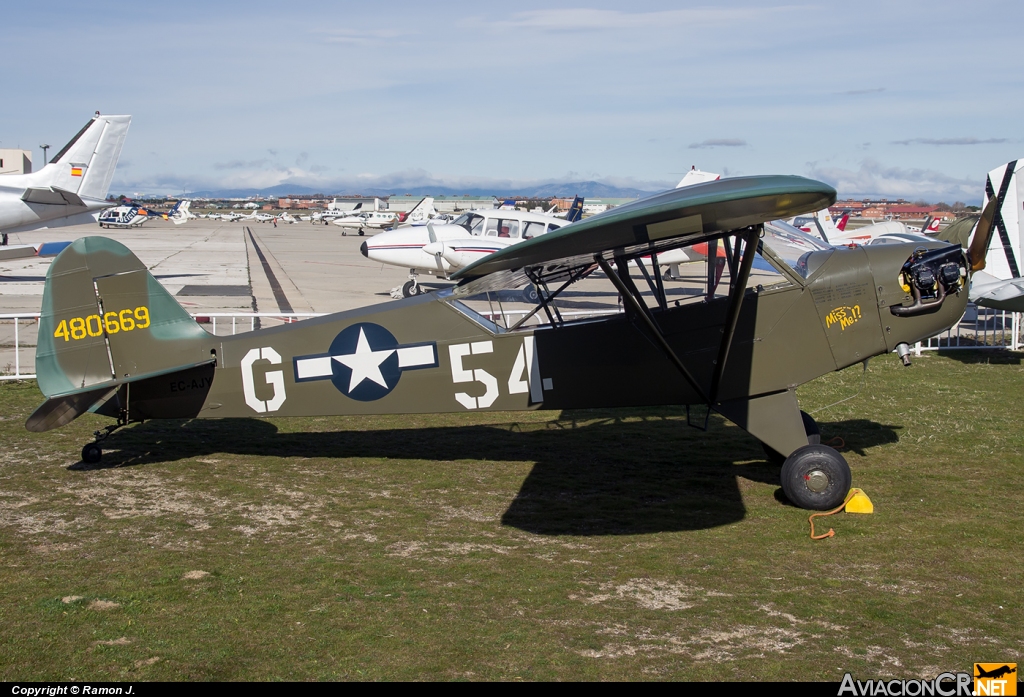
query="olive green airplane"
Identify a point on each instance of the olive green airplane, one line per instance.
(768, 308)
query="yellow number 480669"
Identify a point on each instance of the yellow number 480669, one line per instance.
(112, 322)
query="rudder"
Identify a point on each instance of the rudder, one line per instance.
(105, 321)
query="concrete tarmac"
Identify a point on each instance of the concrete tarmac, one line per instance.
(213, 267)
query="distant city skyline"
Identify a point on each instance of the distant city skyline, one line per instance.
(914, 100)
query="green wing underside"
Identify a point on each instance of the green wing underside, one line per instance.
(663, 220)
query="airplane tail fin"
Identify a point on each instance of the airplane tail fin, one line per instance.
(1005, 186)
(106, 322)
(931, 226)
(179, 213)
(185, 214)
(841, 224)
(575, 211)
(86, 165)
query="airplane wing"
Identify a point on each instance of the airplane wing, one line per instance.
(660, 222)
(996, 293)
(51, 195)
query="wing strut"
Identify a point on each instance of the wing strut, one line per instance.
(739, 289)
(642, 312)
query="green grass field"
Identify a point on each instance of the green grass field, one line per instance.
(616, 544)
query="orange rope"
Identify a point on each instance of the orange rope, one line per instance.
(837, 442)
(831, 532)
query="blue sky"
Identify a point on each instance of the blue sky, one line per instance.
(900, 98)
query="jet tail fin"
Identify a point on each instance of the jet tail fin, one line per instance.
(180, 213)
(575, 211)
(86, 164)
(841, 225)
(105, 322)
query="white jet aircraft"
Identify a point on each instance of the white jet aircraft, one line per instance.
(71, 189)
(441, 249)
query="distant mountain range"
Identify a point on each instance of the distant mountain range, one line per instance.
(588, 189)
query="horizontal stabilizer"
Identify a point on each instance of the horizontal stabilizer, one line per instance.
(52, 196)
(58, 411)
(51, 249)
(18, 251)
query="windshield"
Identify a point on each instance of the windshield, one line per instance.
(803, 253)
(473, 222)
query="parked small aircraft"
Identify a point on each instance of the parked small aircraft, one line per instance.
(371, 220)
(113, 341)
(441, 249)
(71, 189)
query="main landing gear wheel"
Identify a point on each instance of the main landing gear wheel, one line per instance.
(813, 438)
(344, 233)
(92, 453)
(360, 232)
(816, 477)
(410, 289)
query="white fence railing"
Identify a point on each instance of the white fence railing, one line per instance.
(980, 328)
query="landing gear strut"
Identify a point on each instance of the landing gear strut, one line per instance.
(410, 289)
(813, 438)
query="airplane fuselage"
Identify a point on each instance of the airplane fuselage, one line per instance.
(434, 354)
(456, 245)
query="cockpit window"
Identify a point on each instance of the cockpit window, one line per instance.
(471, 221)
(802, 252)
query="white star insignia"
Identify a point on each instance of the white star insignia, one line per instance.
(365, 363)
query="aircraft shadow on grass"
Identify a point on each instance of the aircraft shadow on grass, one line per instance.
(598, 472)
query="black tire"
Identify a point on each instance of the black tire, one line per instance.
(343, 233)
(360, 232)
(92, 453)
(411, 289)
(816, 477)
(530, 294)
(813, 438)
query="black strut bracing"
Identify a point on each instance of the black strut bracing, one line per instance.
(739, 289)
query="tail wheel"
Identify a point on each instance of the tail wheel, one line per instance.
(92, 453)
(816, 477)
(813, 438)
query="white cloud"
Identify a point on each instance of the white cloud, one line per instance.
(874, 179)
(951, 141)
(590, 19)
(720, 143)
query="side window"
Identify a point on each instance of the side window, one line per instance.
(508, 228)
(476, 225)
(553, 226)
(491, 227)
(531, 230)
